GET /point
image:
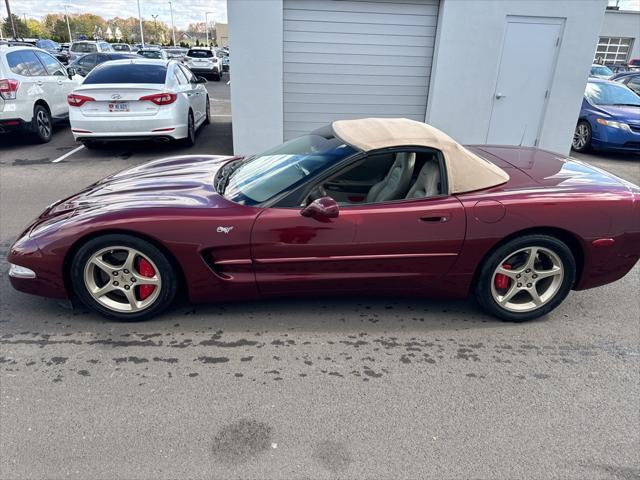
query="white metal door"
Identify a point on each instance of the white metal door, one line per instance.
(356, 58)
(529, 55)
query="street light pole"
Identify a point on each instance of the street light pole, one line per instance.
(140, 20)
(155, 26)
(13, 25)
(173, 28)
(66, 15)
(206, 25)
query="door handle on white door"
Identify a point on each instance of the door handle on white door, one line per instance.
(500, 95)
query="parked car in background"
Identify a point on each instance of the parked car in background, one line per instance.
(204, 61)
(609, 118)
(175, 53)
(153, 53)
(630, 79)
(121, 47)
(618, 67)
(634, 64)
(138, 99)
(83, 47)
(85, 64)
(33, 90)
(54, 49)
(600, 71)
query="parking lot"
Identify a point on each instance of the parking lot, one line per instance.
(324, 388)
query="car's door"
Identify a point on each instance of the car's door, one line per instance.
(60, 82)
(195, 94)
(86, 63)
(45, 86)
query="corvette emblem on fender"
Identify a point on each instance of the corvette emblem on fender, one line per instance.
(224, 229)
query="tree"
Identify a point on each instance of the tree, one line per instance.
(21, 27)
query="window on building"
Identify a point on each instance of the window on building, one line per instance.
(613, 50)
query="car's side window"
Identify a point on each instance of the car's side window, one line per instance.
(51, 65)
(188, 73)
(385, 177)
(180, 76)
(18, 64)
(88, 60)
(33, 64)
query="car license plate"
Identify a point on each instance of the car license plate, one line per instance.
(119, 106)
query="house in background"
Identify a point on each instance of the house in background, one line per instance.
(483, 71)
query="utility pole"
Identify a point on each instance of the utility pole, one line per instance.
(13, 25)
(140, 20)
(66, 15)
(173, 28)
(155, 26)
(206, 25)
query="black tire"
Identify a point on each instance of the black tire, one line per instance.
(483, 288)
(41, 124)
(166, 270)
(217, 77)
(582, 131)
(207, 115)
(190, 139)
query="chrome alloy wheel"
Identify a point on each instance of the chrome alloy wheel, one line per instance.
(122, 279)
(43, 123)
(580, 136)
(527, 279)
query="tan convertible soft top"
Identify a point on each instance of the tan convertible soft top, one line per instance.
(466, 171)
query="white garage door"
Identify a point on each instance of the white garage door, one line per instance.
(353, 59)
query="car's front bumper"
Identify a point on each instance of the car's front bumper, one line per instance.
(609, 138)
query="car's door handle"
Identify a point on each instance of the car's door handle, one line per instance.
(436, 217)
(39, 82)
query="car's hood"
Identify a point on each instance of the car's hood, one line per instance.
(622, 113)
(181, 182)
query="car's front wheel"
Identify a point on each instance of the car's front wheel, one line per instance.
(526, 278)
(123, 277)
(190, 139)
(582, 137)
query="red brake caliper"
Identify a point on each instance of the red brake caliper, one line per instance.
(146, 270)
(502, 281)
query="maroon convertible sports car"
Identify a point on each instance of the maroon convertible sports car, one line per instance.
(372, 206)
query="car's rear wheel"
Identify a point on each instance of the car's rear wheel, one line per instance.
(526, 278)
(582, 137)
(190, 140)
(41, 125)
(123, 277)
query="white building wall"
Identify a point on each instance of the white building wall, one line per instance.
(621, 23)
(467, 58)
(469, 41)
(255, 42)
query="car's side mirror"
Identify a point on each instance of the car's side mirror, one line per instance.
(325, 207)
(201, 80)
(71, 72)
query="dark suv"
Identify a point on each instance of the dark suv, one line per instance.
(54, 49)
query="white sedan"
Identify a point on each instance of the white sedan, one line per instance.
(138, 99)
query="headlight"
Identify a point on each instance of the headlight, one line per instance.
(613, 124)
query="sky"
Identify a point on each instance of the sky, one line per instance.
(184, 11)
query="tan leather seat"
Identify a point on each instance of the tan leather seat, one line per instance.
(394, 185)
(428, 182)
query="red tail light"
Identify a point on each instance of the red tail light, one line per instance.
(161, 98)
(8, 89)
(76, 100)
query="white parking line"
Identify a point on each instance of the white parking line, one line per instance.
(68, 154)
(220, 115)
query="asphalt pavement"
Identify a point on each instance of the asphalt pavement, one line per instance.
(319, 388)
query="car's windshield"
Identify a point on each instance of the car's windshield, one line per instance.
(84, 47)
(605, 71)
(268, 174)
(127, 73)
(200, 53)
(150, 53)
(610, 94)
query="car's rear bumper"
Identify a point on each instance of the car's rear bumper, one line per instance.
(9, 125)
(131, 128)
